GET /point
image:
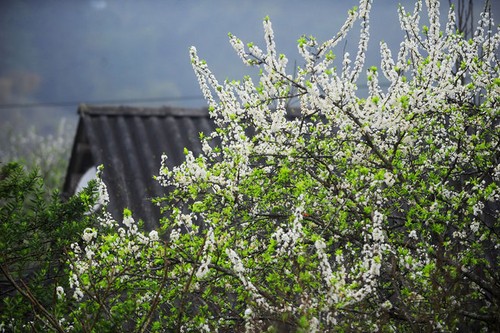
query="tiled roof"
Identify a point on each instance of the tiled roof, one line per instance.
(129, 143)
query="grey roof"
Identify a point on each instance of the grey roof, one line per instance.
(129, 143)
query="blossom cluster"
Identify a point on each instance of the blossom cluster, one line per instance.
(112, 261)
(345, 213)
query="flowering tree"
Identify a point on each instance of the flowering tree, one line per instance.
(344, 214)
(47, 153)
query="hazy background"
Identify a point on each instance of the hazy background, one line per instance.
(55, 54)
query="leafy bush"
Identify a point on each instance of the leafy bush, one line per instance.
(35, 235)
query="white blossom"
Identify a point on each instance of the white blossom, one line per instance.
(413, 234)
(88, 235)
(153, 235)
(60, 292)
(128, 221)
(78, 294)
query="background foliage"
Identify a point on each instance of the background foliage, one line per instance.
(47, 153)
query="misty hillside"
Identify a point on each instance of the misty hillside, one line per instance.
(56, 54)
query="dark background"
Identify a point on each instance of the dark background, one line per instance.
(55, 54)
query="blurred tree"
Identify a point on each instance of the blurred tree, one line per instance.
(48, 153)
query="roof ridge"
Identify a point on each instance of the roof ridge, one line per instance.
(111, 110)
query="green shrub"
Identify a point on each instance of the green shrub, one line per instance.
(35, 235)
